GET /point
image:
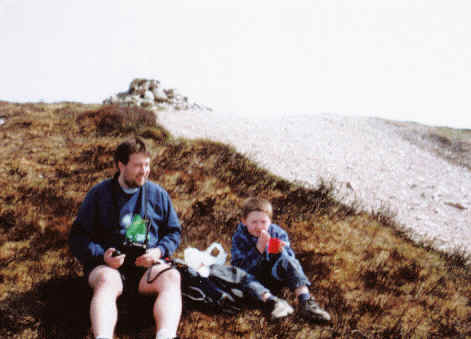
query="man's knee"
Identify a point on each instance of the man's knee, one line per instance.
(170, 277)
(105, 277)
(157, 281)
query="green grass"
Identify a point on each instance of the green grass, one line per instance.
(373, 280)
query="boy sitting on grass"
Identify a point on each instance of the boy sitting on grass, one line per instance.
(263, 250)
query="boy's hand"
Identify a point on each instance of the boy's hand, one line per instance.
(262, 241)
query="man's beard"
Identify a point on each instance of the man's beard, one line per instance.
(131, 183)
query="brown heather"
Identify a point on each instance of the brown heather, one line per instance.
(374, 282)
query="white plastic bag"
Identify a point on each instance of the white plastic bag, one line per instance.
(220, 258)
(201, 260)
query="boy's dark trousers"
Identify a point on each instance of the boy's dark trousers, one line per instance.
(281, 270)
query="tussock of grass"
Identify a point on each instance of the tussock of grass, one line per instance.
(373, 280)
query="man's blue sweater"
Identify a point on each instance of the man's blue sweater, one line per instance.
(101, 221)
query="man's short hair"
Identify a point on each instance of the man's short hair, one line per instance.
(255, 204)
(127, 148)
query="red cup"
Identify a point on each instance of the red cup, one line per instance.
(275, 245)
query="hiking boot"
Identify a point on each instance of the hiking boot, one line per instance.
(310, 310)
(277, 308)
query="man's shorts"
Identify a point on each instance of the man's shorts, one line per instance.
(131, 276)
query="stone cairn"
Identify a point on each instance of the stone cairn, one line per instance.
(150, 94)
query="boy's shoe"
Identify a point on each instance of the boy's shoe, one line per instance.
(277, 308)
(310, 310)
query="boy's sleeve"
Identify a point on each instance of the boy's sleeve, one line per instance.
(244, 254)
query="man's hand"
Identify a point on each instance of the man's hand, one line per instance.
(262, 241)
(149, 258)
(114, 262)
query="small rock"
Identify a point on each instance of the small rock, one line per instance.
(170, 93)
(148, 95)
(456, 205)
(159, 95)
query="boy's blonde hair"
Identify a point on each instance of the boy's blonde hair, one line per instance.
(255, 204)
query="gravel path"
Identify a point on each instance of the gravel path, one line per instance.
(367, 158)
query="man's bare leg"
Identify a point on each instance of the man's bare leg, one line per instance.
(107, 287)
(168, 304)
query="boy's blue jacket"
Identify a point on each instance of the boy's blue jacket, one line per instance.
(244, 251)
(99, 223)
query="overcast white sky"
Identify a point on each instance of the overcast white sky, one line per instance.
(398, 59)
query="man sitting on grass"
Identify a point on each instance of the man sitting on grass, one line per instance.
(135, 216)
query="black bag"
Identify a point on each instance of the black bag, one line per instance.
(222, 291)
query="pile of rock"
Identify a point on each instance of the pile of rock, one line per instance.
(150, 94)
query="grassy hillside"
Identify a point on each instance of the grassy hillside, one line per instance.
(373, 281)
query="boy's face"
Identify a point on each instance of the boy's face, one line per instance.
(257, 222)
